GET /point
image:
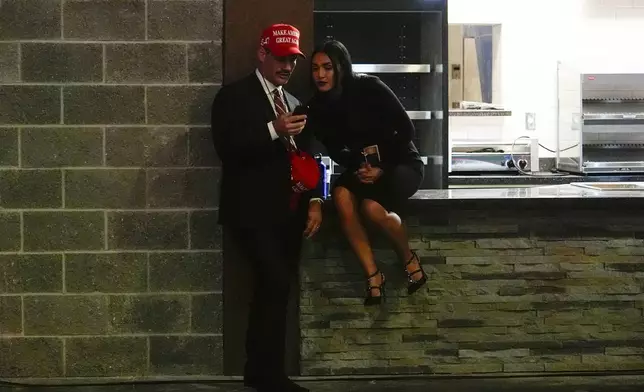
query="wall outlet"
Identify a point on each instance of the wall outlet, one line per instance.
(530, 121)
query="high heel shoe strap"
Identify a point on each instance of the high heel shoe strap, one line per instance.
(371, 286)
(413, 258)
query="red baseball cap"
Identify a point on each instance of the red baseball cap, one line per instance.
(282, 40)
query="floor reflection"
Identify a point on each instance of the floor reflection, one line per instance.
(533, 384)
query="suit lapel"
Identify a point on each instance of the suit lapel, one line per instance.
(258, 90)
(291, 101)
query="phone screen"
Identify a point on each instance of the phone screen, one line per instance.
(300, 109)
(371, 155)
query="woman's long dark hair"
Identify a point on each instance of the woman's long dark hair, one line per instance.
(342, 65)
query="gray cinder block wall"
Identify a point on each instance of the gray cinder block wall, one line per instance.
(110, 258)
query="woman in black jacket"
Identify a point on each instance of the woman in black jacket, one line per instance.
(350, 114)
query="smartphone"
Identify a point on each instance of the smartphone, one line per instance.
(300, 110)
(371, 155)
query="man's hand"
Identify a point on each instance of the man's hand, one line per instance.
(368, 174)
(315, 219)
(289, 125)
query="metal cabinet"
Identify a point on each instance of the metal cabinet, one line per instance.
(404, 43)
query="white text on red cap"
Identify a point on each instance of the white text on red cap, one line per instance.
(287, 40)
(285, 32)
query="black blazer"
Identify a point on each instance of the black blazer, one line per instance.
(255, 183)
(366, 113)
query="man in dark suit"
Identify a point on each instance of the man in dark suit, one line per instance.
(253, 131)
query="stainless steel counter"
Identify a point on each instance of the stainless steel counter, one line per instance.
(566, 191)
(542, 178)
(548, 197)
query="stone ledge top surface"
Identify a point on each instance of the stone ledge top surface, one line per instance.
(568, 195)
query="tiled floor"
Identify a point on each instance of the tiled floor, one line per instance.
(558, 384)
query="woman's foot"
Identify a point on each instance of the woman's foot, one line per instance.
(375, 289)
(415, 274)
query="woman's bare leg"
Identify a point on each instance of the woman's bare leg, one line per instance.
(346, 205)
(391, 224)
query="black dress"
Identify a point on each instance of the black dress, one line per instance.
(367, 113)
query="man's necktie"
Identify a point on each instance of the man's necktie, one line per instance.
(280, 107)
(279, 103)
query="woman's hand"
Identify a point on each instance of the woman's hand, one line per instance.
(315, 219)
(368, 174)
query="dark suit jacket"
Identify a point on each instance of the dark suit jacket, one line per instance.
(255, 184)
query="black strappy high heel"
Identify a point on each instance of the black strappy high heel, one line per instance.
(414, 285)
(371, 300)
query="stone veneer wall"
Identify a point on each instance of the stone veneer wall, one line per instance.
(109, 251)
(510, 291)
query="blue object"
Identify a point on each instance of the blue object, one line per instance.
(323, 183)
